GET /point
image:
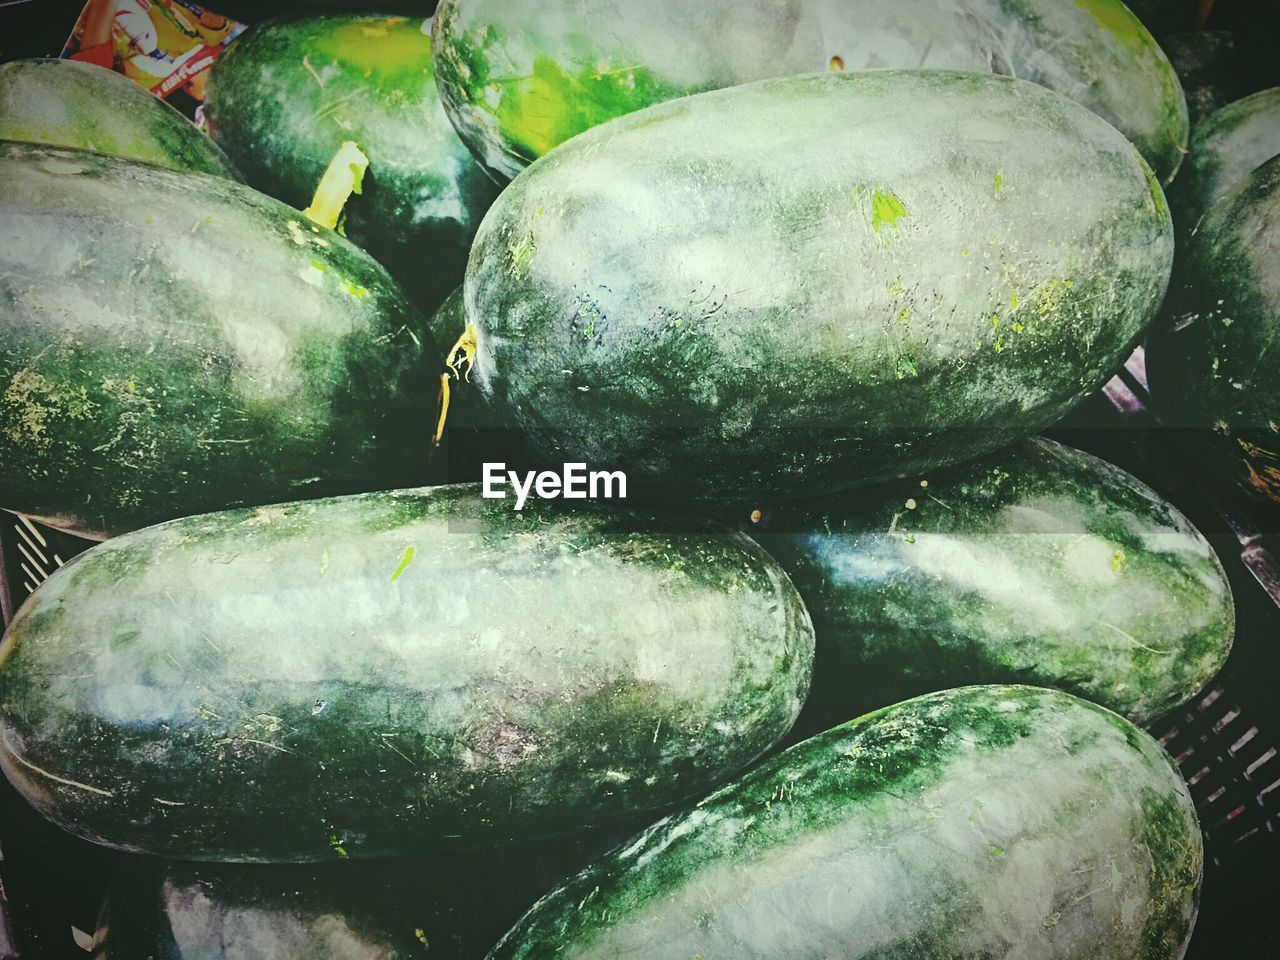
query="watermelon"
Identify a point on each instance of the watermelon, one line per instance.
(288, 94)
(518, 78)
(66, 103)
(1038, 564)
(177, 342)
(698, 295)
(394, 673)
(1228, 146)
(1211, 365)
(981, 822)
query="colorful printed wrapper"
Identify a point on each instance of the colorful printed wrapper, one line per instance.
(164, 45)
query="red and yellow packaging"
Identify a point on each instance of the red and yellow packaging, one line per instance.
(164, 45)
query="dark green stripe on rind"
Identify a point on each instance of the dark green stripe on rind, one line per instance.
(520, 78)
(64, 103)
(287, 95)
(390, 673)
(1213, 365)
(172, 343)
(1038, 564)
(780, 289)
(962, 824)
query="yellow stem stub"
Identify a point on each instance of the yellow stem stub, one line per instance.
(343, 177)
(443, 402)
(464, 351)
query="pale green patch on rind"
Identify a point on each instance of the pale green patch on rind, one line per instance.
(404, 564)
(886, 210)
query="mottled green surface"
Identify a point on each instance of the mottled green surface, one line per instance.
(1228, 146)
(65, 103)
(287, 95)
(802, 284)
(520, 77)
(983, 822)
(175, 342)
(1214, 365)
(1037, 564)
(391, 673)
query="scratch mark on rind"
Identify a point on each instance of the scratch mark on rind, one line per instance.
(53, 776)
(263, 743)
(1140, 646)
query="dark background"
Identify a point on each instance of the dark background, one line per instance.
(1225, 743)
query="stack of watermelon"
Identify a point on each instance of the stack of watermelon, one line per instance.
(812, 275)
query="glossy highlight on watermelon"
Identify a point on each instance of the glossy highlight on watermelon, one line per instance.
(970, 823)
(65, 103)
(1037, 564)
(395, 673)
(724, 304)
(175, 342)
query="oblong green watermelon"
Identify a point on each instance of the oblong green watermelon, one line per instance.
(175, 342)
(396, 672)
(1213, 363)
(1038, 564)
(981, 822)
(65, 103)
(1228, 146)
(807, 283)
(285, 97)
(518, 78)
